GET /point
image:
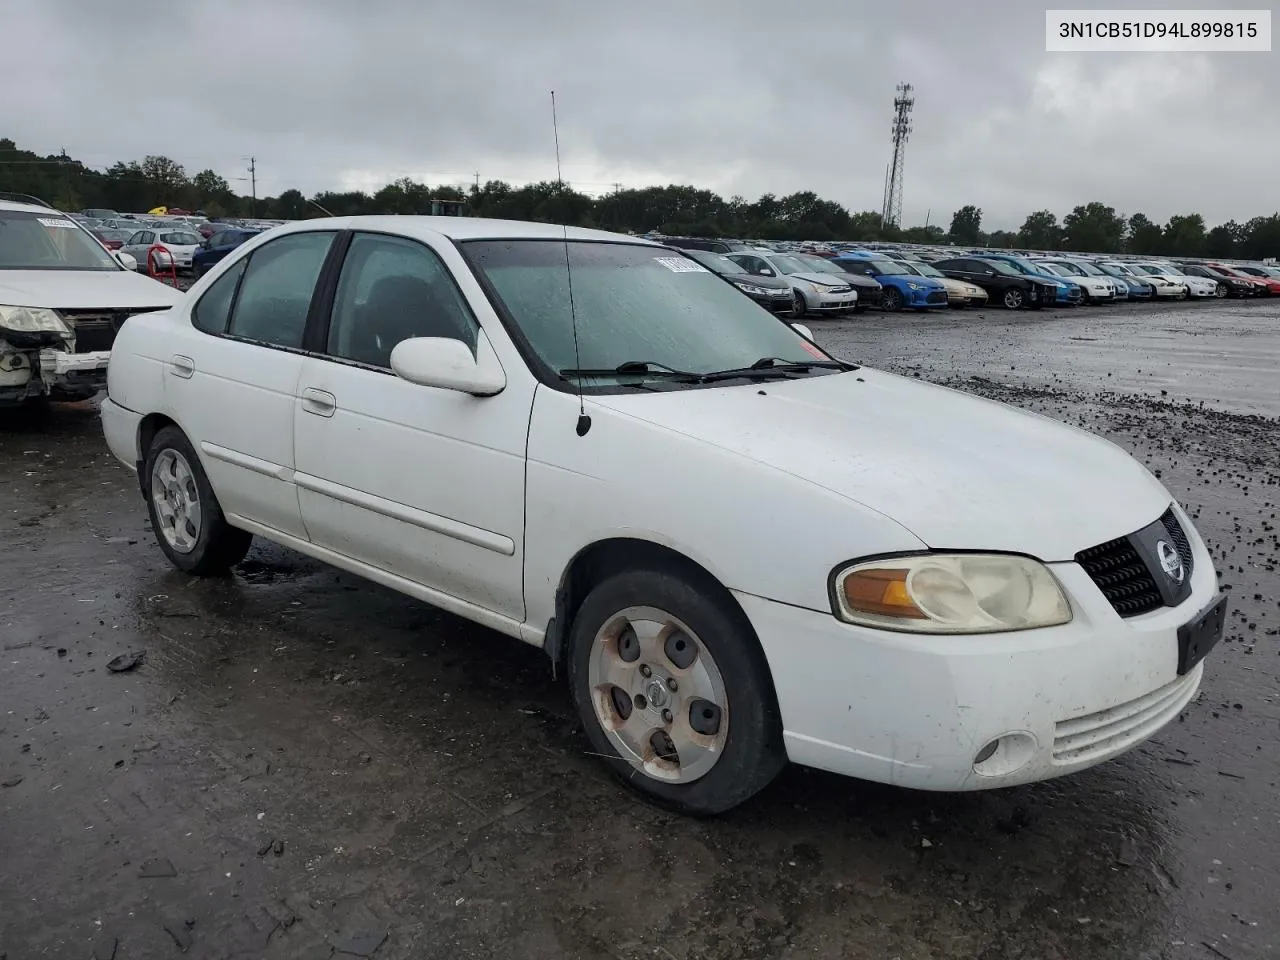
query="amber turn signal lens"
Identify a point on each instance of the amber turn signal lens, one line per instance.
(882, 592)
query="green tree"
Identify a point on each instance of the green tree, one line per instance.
(1145, 236)
(1002, 240)
(1224, 241)
(1093, 228)
(1261, 238)
(1184, 235)
(966, 225)
(1040, 231)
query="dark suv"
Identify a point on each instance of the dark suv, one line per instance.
(1004, 285)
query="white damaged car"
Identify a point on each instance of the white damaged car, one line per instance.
(737, 549)
(63, 298)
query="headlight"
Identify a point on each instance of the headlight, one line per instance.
(950, 593)
(912, 285)
(32, 320)
(753, 289)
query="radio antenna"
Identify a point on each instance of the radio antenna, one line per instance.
(584, 421)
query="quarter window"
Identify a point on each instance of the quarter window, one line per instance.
(392, 289)
(213, 309)
(275, 294)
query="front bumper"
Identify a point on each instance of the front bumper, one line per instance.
(832, 303)
(120, 428)
(915, 711)
(1170, 292)
(56, 374)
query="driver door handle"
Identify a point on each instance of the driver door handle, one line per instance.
(322, 403)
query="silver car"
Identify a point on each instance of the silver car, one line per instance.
(178, 244)
(813, 291)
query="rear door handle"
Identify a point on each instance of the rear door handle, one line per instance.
(181, 366)
(320, 402)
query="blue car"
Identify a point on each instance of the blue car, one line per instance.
(1069, 294)
(217, 247)
(902, 287)
(1139, 289)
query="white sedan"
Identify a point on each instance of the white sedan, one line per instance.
(813, 290)
(737, 548)
(1169, 274)
(178, 245)
(1096, 285)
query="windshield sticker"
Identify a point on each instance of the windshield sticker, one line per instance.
(63, 224)
(681, 265)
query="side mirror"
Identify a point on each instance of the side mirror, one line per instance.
(126, 260)
(448, 364)
(804, 331)
(765, 272)
(989, 273)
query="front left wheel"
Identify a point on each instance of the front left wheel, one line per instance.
(185, 515)
(674, 691)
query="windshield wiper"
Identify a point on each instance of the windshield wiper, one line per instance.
(773, 367)
(646, 367)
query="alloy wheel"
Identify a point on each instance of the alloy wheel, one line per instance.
(177, 500)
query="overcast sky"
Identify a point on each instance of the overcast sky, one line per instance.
(739, 96)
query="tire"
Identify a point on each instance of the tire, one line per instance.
(203, 545)
(800, 306)
(745, 729)
(1221, 291)
(1013, 299)
(892, 299)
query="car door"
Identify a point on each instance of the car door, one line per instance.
(424, 483)
(232, 377)
(136, 248)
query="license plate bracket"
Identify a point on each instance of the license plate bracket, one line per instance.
(1197, 638)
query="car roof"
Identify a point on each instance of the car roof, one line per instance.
(30, 208)
(463, 228)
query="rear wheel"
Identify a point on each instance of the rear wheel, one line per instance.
(674, 691)
(892, 299)
(185, 515)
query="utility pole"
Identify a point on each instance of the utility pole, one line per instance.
(902, 104)
(617, 188)
(253, 186)
(477, 181)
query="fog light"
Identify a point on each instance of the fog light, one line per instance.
(1005, 755)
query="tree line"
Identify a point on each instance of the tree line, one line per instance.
(140, 185)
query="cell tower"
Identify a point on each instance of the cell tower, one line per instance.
(902, 104)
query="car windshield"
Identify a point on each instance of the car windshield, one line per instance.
(120, 235)
(180, 239)
(923, 269)
(1004, 267)
(632, 304)
(49, 241)
(1057, 269)
(885, 266)
(716, 261)
(790, 265)
(820, 264)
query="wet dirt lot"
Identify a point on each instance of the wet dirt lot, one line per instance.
(306, 765)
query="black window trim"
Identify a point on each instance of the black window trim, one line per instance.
(315, 339)
(225, 333)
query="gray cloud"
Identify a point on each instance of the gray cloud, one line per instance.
(743, 97)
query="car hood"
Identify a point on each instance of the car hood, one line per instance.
(826, 279)
(958, 471)
(769, 283)
(84, 289)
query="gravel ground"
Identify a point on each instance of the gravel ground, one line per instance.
(306, 765)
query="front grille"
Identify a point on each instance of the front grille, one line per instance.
(96, 329)
(1123, 575)
(843, 289)
(1123, 578)
(1179, 538)
(1104, 733)
(936, 296)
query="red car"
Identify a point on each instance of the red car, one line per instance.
(1266, 286)
(1268, 275)
(112, 239)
